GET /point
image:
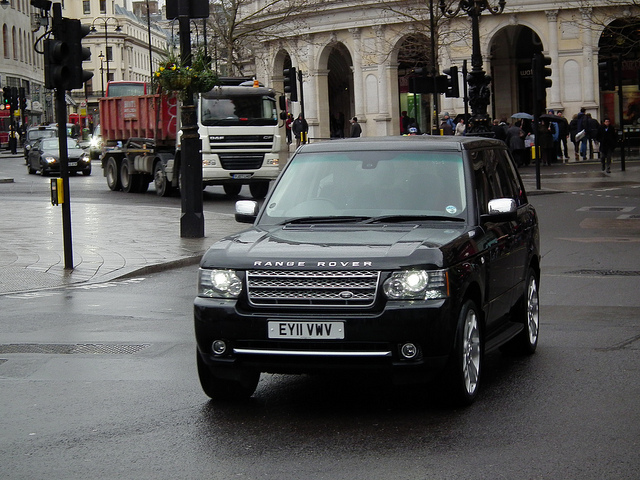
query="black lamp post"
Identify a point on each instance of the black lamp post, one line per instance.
(105, 22)
(478, 80)
(101, 57)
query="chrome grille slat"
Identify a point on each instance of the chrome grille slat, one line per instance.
(343, 288)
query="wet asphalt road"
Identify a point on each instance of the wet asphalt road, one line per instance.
(72, 408)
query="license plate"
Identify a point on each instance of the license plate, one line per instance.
(306, 330)
(241, 176)
(73, 164)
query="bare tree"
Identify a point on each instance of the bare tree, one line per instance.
(234, 25)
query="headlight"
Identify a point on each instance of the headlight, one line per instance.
(417, 285)
(218, 283)
(50, 159)
(84, 158)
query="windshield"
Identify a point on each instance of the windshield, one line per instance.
(239, 110)
(395, 186)
(53, 144)
(35, 134)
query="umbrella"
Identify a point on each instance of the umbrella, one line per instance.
(522, 115)
(553, 118)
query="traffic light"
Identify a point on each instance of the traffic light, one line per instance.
(541, 75)
(6, 98)
(14, 98)
(291, 83)
(453, 87)
(605, 70)
(77, 53)
(56, 63)
(23, 99)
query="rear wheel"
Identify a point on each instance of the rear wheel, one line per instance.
(232, 189)
(112, 174)
(30, 169)
(259, 190)
(465, 367)
(131, 182)
(526, 342)
(240, 387)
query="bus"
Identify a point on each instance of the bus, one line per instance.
(125, 88)
(5, 121)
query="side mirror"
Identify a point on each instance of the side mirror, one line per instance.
(246, 211)
(501, 209)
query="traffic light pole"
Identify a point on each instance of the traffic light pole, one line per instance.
(61, 118)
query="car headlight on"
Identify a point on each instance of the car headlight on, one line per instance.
(417, 285)
(49, 159)
(218, 283)
(84, 158)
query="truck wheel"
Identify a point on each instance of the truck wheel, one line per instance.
(112, 174)
(218, 388)
(232, 189)
(163, 187)
(259, 190)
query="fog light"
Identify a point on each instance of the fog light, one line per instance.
(219, 347)
(409, 350)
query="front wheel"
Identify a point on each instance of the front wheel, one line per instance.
(465, 367)
(160, 181)
(259, 190)
(240, 387)
(232, 189)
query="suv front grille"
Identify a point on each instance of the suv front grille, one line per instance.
(312, 288)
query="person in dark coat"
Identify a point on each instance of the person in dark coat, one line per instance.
(544, 140)
(300, 127)
(608, 138)
(356, 129)
(515, 142)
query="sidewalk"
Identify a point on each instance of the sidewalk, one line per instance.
(115, 242)
(109, 242)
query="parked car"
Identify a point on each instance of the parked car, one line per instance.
(35, 133)
(413, 256)
(44, 157)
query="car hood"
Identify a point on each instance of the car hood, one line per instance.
(339, 246)
(71, 152)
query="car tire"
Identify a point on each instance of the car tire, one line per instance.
(527, 313)
(31, 170)
(232, 189)
(130, 182)
(464, 371)
(160, 181)
(112, 174)
(259, 190)
(87, 171)
(218, 388)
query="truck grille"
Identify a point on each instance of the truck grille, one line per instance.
(241, 161)
(312, 288)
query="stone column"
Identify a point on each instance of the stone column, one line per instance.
(588, 92)
(383, 118)
(357, 74)
(552, 20)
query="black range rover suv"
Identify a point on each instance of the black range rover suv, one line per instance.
(412, 256)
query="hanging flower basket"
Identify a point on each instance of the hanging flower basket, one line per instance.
(173, 76)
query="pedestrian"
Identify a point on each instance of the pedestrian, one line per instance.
(592, 127)
(404, 123)
(544, 139)
(13, 140)
(563, 127)
(356, 130)
(608, 138)
(460, 127)
(573, 131)
(582, 125)
(499, 131)
(300, 128)
(287, 125)
(445, 127)
(515, 142)
(449, 120)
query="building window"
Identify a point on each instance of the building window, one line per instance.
(103, 6)
(5, 41)
(86, 7)
(109, 54)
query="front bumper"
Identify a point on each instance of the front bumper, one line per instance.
(372, 341)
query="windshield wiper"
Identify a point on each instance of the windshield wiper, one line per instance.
(411, 218)
(324, 219)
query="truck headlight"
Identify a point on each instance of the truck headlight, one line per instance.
(218, 283)
(417, 285)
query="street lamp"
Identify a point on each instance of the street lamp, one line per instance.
(101, 57)
(105, 22)
(478, 80)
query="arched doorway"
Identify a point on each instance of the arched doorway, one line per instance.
(340, 96)
(619, 63)
(512, 51)
(414, 62)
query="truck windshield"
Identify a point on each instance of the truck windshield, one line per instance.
(239, 110)
(370, 185)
